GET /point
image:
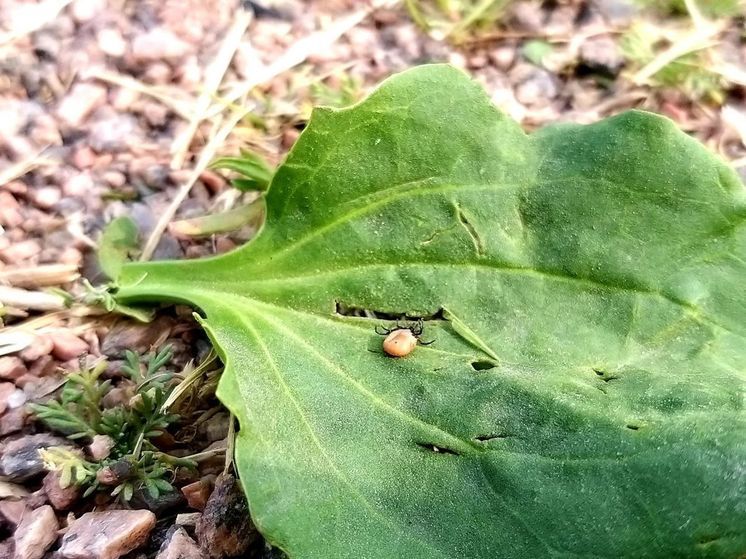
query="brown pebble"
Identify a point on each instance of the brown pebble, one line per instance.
(42, 367)
(60, 498)
(11, 368)
(107, 535)
(6, 390)
(67, 345)
(198, 493)
(13, 421)
(84, 158)
(178, 545)
(10, 210)
(42, 345)
(36, 533)
(20, 252)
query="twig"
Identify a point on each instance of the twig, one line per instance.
(22, 167)
(214, 75)
(300, 50)
(179, 107)
(700, 39)
(40, 276)
(207, 155)
(35, 300)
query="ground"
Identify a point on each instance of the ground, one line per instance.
(111, 108)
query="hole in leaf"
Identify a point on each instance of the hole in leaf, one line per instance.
(343, 309)
(437, 449)
(632, 427)
(483, 365)
(484, 438)
(605, 375)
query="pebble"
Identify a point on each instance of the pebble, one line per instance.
(198, 493)
(11, 368)
(111, 42)
(40, 346)
(527, 16)
(67, 345)
(21, 251)
(137, 336)
(36, 533)
(107, 535)
(46, 197)
(61, 498)
(84, 158)
(112, 134)
(78, 186)
(13, 421)
(85, 10)
(158, 44)
(80, 102)
(6, 391)
(537, 90)
(601, 55)
(178, 545)
(19, 457)
(100, 447)
(225, 528)
(10, 210)
(13, 510)
(42, 367)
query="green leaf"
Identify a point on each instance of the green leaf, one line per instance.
(255, 171)
(119, 239)
(602, 265)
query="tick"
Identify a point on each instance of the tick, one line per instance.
(400, 341)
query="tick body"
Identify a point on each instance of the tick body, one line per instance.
(402, 340)
(400, 343)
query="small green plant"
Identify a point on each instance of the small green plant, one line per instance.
(134, 462)
(455, 19)
(691, 73)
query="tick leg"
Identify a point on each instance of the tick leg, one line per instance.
(382, 330)
(427, 343)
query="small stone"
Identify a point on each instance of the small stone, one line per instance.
(85, 10)
(225, 528)
(46, 197)
(13, 421)
(16, 399)
(84, 158)
(198, 493)
(67, 345)
(36, 533)
(502, 57)
(215, 428)
(139, 337)
(527, 16)
(114, 179)
(10, 210)
(20, 252)
(13, 510)
(601, 55)
(12, 490)
(6, 391)
(42, 345)
(42, 367)
(78, 186)
(537, 90)
(80, 102)
(158, 44)
(111, 42)
(12, 368)
(61, 498)
(156, 114)
(107, 535)
(187, 519)
(112, 134)
(178, 545)
(100, 447)
(19, 457)
(6, 549)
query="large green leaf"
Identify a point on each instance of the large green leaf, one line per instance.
(601, 265)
